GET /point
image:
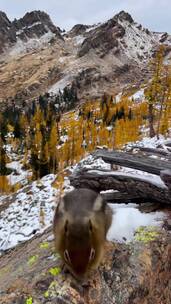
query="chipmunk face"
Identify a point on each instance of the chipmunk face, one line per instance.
(79, 250)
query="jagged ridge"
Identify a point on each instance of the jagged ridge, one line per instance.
(33, 25)
(100, 58)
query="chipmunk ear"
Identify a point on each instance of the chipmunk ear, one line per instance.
(98, 203)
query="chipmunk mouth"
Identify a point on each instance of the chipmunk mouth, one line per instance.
(79, 260)
(92, 254)
(67, 257)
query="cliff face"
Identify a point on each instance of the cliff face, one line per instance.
(34, 24)
(7, 33)
(103, 39)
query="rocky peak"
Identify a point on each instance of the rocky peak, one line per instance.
(33, 25)
(7, 35)
(33, 17)
(36, 23)
(121, 37)
(4, 21)
(78, 29)
(103, 38)
(123, 16)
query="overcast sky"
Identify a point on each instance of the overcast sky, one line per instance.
(153, 14)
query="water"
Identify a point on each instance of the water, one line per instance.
(127, 218)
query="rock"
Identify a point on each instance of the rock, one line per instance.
(7, 33)
(167, 224)
(164, 37)
(77, 30)
(124, 16)
(103, 38)
(138, 272)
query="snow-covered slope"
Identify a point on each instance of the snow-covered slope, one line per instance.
(30, 210)
(138, 43)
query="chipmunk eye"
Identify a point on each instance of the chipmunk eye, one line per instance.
(66, 256)
(66, 226)
(92, 254)
(90, 226)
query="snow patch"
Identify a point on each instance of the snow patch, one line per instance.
(147, 142)
(62, 59)
(90, 163)
(91, 28)
(127, 218)
(64, 138)
(79, 39)
(61, 84)
(65, 81)
(118, 97)
(138, 96)
(19, 175)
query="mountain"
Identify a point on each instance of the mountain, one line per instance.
(36, 56)
(33, 25)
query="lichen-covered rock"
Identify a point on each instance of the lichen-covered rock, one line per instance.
(138, 272)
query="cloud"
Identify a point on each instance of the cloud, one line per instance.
(150, 13)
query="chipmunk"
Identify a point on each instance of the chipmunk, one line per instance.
(81, 222)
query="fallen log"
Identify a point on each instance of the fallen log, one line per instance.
(143, 163)
(143, 187)
(160, 152)
(120, 198)
(167, 143)
(166, 178)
